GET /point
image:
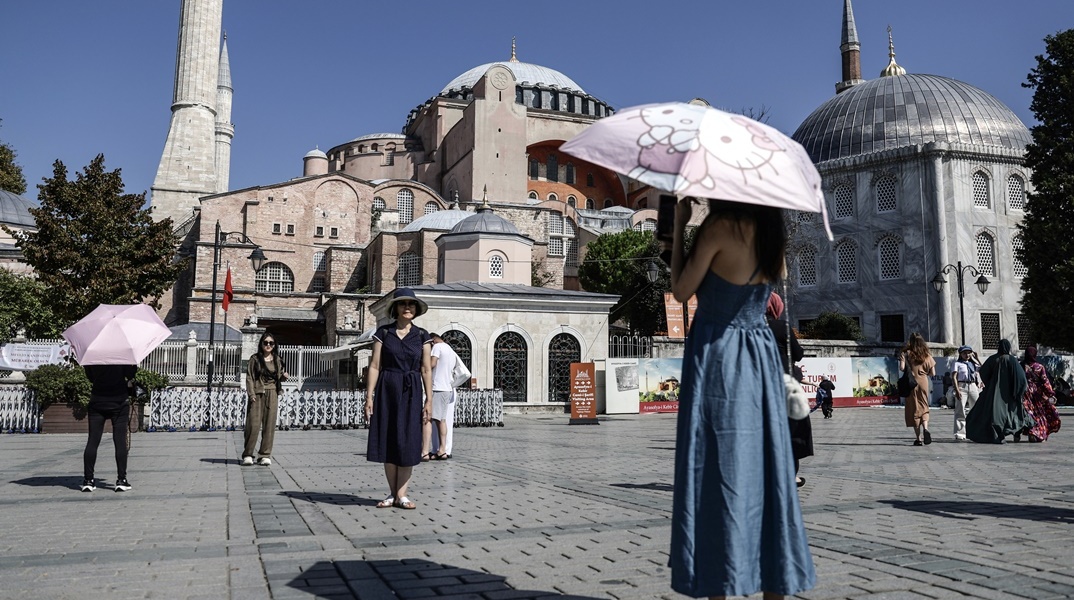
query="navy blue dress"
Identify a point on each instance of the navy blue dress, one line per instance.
(395, 431)
(737, 525)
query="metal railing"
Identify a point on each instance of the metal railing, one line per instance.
(630, 346)
(19, 413)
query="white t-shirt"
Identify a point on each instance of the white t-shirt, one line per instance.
(445, 364)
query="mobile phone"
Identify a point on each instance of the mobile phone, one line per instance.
(665, 217)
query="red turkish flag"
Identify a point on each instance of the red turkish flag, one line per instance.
(229, 292)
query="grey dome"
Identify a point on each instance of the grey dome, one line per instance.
(15, 210)
(379, 136)
(442, 219)
(316, 153)
(892, 112)
(522, 71)
(485, 221)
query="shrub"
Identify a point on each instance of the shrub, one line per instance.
(833, 326)
(58, 383)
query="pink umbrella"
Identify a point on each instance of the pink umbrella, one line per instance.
(116, 334)
(697, 150)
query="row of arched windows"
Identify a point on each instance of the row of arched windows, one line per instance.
(404, 204)
(889, 259)
(510, 363)
(886, 197)
(550, 170)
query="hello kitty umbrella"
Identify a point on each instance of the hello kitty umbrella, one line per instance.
(697, 150)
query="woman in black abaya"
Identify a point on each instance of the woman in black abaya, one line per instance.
(999, 411)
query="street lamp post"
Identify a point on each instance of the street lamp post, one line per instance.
(257, 259)
(959, 269)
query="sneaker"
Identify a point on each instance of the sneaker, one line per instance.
(247, 461)
(265, 461)
(122, 485)
(87, 485)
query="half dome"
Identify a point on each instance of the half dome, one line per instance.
(15, 210)
(522, 71)
(441, 220)
(893, 112)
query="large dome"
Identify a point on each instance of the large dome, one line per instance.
(485, 221)
(892, 112)
(15, 210)
(522, 71)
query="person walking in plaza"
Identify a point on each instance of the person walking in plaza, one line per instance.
(443, 360)
(922, 368)
(966, 389)
(790, 352)
(265, 374)
(1038, 399)
(826, 397)
(999, 410)
(398, 381)
(111, 387)
(736, 520)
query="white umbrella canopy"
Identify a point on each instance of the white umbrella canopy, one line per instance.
(116, 334)
(697, 150)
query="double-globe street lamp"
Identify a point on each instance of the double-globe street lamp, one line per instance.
(257, 260)
(959, 269)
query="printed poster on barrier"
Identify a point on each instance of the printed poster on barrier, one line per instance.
(27, 357)
(621, 386)
(583, 394)
(837, 370)
(658, 384)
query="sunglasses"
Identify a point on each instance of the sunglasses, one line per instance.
(268, 343)
(407, 303)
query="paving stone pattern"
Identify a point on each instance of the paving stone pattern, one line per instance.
(536, 509)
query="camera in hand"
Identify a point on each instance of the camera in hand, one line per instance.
(665, 217)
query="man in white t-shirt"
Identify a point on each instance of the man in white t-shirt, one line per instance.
(444, 360)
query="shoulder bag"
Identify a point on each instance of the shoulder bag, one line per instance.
(906, 382)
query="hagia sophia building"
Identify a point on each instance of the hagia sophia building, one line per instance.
(472, 203)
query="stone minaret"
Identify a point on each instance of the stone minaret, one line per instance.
(225, 130)
(187, 168)
(850, 48)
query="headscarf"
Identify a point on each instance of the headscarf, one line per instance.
(999, 411)
(775, 306)
(1031, 355)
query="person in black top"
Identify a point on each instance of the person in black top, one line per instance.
(801, 429)
(112, 386)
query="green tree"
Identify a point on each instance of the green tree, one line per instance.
(11, 178)
(833, 326)
(22, 306)
(616, 263)
(96, 245)
(1048, 246)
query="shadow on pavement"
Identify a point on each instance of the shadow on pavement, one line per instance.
(408, 578)
(222, 461)
(974, 510)
(337, 499)
(656, 486)
(62, 481)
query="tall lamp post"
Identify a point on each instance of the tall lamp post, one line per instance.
(257, 259)
(959, 269)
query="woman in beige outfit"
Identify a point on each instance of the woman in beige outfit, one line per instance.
(922, 368)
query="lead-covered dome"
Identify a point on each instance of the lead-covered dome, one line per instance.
(15, 210)
(892, 112)
(485, 221)
(523, 72)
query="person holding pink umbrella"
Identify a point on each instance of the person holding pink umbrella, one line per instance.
(112, 386)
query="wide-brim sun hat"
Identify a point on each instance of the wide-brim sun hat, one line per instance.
(401, 294)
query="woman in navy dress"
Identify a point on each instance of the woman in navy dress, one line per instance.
(399, 395)
(736, 522)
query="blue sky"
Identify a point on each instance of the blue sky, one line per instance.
(81, 78)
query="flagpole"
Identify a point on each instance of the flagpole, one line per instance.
(227, 292)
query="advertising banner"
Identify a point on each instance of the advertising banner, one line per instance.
(27, 357)
(621, 386)
(583, 394)
(658, 384)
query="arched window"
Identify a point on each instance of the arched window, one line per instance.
(460, 343)
(846, 262)
(562, 351)
(404, 202)
(409, 272)
(570, 242)
(807, 267)
(318, 261)
(509, 366)
(1017, 246)
(1016, 193)
(431, 207)
(986, 254)
(889, 254)
(608, 203)
(379, 204)
(589, 204)
(535, 168)
(555, 234)
(496, 266)
(553, 198)
(572, 201)
(553, 168)
(844, 202)
(569, 175)
(980, 190)
(274, 277)
(885, 195)
(533, 196)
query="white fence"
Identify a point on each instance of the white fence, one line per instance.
(630, 346)
(18, 412)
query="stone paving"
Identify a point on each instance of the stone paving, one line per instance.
(536, 509)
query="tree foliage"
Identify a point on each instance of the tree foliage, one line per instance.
(1048, 243)
(833, 326)
(11, 178)
(96, 245)
(23, 306)
(616, 263)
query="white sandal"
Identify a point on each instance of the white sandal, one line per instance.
(387, 502)
(405, 503)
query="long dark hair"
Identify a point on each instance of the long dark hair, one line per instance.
(276, 360)
(769, 237)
